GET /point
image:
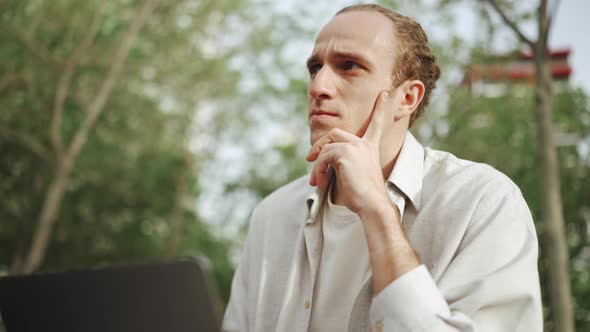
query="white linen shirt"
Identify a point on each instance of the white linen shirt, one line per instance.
(344, 252)
(468, 223)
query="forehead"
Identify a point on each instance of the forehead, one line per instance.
(365, 32)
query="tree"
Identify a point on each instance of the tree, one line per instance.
(499, 131)
(95, 130)
(553, 231)
(66, 155)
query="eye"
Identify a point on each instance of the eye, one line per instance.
(314, 68)
(350, 65)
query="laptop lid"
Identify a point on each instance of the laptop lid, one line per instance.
(172, 296)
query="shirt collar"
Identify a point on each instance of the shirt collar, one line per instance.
(408, 171)
(407, 175)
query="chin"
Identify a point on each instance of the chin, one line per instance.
(316, 135)
(313, 138)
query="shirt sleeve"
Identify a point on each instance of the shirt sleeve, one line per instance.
(235, 317)
(491, 284)
(236, 313)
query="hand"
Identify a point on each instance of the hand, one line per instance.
(355, 160)
(361, 187)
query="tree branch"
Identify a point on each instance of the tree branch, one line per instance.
(57, 187)
(176, 221)
(96, 108)
(544, 21)
(63, 85)
(511, 24)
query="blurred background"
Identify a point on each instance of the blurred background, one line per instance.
(134, 130)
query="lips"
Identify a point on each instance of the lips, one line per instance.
(323, 113)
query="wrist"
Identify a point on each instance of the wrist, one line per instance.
(376, 206)
(391, 254)
(380, 212)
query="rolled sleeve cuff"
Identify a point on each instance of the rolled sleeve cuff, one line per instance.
(412, 302)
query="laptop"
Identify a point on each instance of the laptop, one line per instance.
(171, 296)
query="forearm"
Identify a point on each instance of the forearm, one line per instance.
(391, 254)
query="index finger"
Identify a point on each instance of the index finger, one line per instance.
(375, 127)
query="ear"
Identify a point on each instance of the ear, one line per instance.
(411, 93)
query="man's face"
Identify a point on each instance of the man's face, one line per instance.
(350, 65)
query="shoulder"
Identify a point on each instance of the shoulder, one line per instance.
(285, 205)
(276, 222)
(472, 198)
(468, 187)
(445, 169)
(291, 195)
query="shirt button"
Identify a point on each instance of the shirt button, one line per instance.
(379, 326)
(307, 304)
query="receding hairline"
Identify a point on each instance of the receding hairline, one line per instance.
(377, 10)
(388, 44)
(352, 12)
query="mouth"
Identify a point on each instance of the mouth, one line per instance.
(322, 113)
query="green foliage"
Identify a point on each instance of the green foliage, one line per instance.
(124, 188)
(500, 131)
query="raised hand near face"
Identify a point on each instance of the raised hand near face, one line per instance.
(355, 160)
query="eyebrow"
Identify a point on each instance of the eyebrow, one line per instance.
(339, 55)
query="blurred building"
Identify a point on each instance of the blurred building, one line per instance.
(513, 74)
(516, 70)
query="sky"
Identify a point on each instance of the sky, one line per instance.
(570, 28)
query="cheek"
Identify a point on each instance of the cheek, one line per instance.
(364, 97)
(361, 114)
(357, 119)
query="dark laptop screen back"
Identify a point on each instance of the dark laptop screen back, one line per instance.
(150, 297)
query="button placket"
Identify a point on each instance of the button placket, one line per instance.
(313, 243)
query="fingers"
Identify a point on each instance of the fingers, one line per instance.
(325, 150)
(321, 173)
(372, 134)
(375, 128)
(333, 136)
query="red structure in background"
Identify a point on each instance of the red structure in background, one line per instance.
(517, 67)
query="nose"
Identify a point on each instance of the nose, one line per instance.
(322, 85)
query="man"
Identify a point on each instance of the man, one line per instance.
(394, 236)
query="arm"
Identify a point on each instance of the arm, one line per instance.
(236, 318)
(360, 184)
(490, 285)
(236, 313)
(390, 253)
(492, 282)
